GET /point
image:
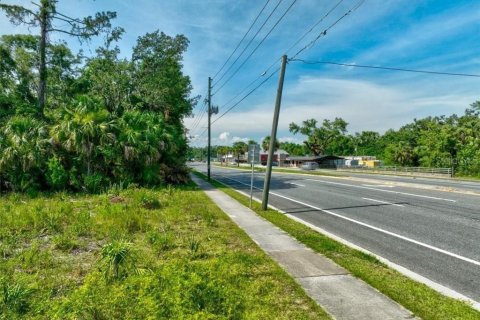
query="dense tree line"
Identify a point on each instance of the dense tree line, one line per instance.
(443, 141)
(104, 119)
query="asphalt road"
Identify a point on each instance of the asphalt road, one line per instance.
(433, 233)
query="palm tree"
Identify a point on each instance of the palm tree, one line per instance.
(23, 151)
(83, 129)
(266, 144)
(239, 147)
(222, 151)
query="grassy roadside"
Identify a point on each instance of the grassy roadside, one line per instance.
(418, 298)
(261, 169)
(344, 173)
(167, 253)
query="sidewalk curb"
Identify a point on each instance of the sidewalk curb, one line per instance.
(332, 287)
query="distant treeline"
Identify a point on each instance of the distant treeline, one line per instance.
(443, 141)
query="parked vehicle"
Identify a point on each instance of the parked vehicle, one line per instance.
(309, 166)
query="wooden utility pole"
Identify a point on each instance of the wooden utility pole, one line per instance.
(273, 135)
(209, 125)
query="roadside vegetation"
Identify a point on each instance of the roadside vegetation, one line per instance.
(78, 123)
(442, 142)
(166, 253)
(328, 173)
(423, 301)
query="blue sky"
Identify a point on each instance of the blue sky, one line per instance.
(437, 35)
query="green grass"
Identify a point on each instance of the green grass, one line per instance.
(261, 169)
(418, 298)
(167, 253)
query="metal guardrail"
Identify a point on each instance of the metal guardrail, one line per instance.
(445, 172)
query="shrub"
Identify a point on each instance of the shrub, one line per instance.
(57, 176)
(118, 260)
(93, 182)
(15, 297)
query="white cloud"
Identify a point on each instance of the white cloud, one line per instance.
(235, 139)
(365, 105)
(224, 136)
(290, 139)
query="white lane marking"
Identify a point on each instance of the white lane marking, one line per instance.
(436, 286)
(415, 276)
(393, 234)
(385, 202)
(378, 185)
(382, 190)
(296, 184)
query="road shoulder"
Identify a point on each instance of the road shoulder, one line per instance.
(333, 287)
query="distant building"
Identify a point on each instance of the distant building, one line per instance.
(279, 157)
(364, 161)
(323, 161)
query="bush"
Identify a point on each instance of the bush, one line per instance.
(57, 176)
(118, 260)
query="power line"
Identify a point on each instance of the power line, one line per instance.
(388, 68)
(248, 44)
(199, 118)
(198, 137)
(244, 97)
(251, 83)
(290, 48)
(309, 45)
(255, 49)
(315, 25)
(324, 32)
(294, 44)
(244, 36)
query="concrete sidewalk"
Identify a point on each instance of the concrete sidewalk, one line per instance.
(340, 294)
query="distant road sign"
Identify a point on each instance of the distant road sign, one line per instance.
(253, 153)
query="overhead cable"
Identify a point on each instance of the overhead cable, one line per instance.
(258, 45)
(324, 32)
(244, 97)
(389, 68)
(244, 36)
(248, 44)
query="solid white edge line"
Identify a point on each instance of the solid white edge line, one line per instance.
(408, 273)
(393, 234)
(385, 202)
(413, 275)
(382, 190)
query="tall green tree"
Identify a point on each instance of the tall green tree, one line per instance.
(159, 83)
(43, 17)
(293, 149)
(266, 144)
(239, 148)
(319, 139)
(367, 143)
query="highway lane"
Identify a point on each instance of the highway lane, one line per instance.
(441, 182)
(433, 233)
